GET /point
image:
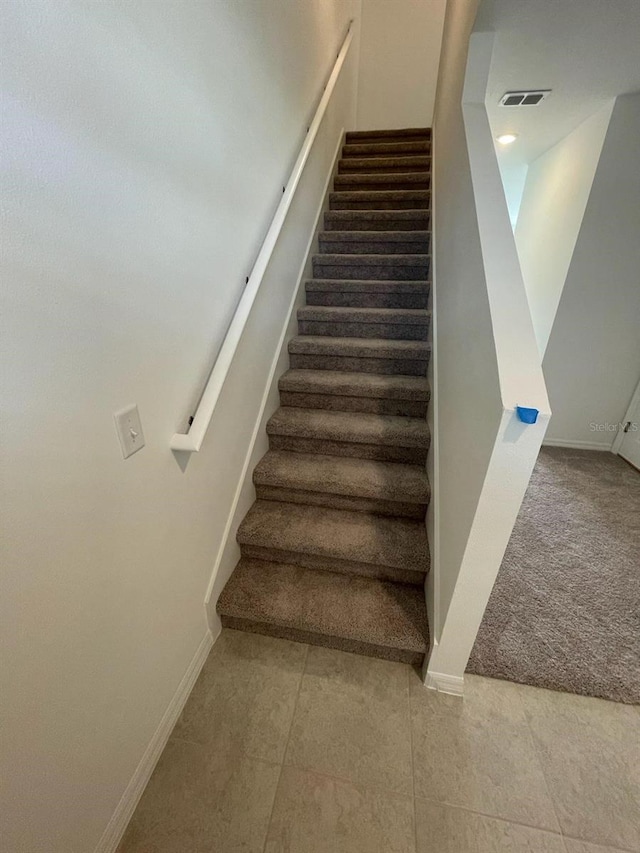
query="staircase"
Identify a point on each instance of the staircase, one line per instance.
(334, 550)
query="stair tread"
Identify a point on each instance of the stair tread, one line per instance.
(359, 265)
(348, 178)
(346, 476)
(387, 148)
(396, 162)
(375, 236)
(401, 259)
(401, 133)
(345, 383)
(364, 285)
(364, 347)
(417, 162)
(348, 219)
(380, 199)
(340, 534)
(373, 195)
(408, 214)
(350, 241)
(364, 611)
(355, 427)
(340, 314)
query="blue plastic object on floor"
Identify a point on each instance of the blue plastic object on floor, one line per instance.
(527, 416)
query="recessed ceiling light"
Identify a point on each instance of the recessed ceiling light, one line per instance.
(507, 138)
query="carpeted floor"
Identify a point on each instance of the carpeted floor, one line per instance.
(565, 610)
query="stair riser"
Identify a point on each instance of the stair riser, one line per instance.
(366, 405)
(386, 331)
(384, 270)
(356, 504)
(335, 285)
(387, 366)
(376, 452)
(363, 349)
(385, 181)
(336, 202)
(366, 300)
(366, 246)
(271, 630)
(368, 165)
(369, 221)
(331, 564)
(402, 134)
(387, 149)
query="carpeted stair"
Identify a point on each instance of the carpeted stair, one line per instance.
(334, 550)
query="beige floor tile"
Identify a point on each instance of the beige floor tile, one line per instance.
(590, 754)
(574, 846)
(245, 695)
(478, 753)
(317, 814)
(611, 719)
(444, 829)
(201, 800)
(352, 720)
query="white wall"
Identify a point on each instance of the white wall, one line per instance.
(553, 203)
(144, 150)
(462, 314)
(487, 360)
(513, 180)
(592, 361)
(399, 55)
(274, 315)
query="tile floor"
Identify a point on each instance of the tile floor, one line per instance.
(288, 748)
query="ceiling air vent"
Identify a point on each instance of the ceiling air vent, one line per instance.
(524, 99)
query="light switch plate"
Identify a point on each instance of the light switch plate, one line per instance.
(129, 430)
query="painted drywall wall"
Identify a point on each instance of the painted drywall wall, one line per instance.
(487, 359)
(144, 150)
(553, 204)
(513, 181)
(592, 361)
(463, 315)
(286, 285)
(399, 56)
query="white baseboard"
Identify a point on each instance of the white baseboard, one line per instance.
(576, 445)
(124, 810)
(228, 550)
(443, 683)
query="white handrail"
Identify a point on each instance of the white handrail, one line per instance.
(191, 441)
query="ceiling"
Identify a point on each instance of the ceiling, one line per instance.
(586, 51)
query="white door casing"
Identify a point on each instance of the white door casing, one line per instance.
(627, 444)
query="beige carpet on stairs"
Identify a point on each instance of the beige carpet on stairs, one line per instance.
(334, 550)
(565, 609)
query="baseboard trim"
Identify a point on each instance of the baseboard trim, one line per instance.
(124, 810)
(230, 526)
(576, 445)
(443, 683)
